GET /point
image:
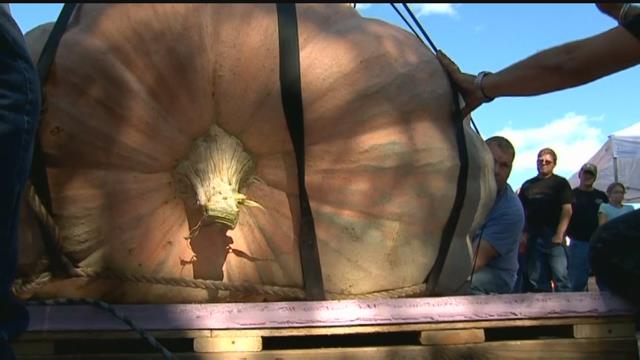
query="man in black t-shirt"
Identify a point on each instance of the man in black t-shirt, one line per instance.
(584, 221)
(546, 200)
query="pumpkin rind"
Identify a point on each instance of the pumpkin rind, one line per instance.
(134, 85)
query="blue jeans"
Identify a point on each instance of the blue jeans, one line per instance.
(546, 261)
(522, 277)
(579, 264)
(488, 281)
(19, 116)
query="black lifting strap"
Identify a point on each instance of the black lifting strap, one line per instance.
(461, 192)
(291, 92)
(448, 232)
(38, 169)
(38, 174)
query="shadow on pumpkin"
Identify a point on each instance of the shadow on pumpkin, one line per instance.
(134, 85)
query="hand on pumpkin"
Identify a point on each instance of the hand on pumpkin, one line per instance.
(464, 82)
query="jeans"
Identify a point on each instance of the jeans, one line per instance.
(546, 261)
(488, 281)
(19, 116)
(522, 277)
(579, 264)
(601, 286)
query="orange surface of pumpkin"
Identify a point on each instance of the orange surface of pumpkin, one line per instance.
(165, 120)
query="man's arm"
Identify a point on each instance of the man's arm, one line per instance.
(565, 216)
(568, 65)
(500, 233)
(561, 67)
(486, 252)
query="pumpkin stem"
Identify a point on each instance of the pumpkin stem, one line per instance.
(217, 169)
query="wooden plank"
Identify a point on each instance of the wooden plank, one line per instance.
(33, 347)
(339, 330)
(452, 337)
(330, 313)
(225, 344)
(604, 330)
(122, 334)
(610, 349)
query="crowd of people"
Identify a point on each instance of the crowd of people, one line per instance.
(538, 240)
(549, 210)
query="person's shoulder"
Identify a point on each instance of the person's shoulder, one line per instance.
(529, 181)
(560, 179)
(578, 193)
(5, 7)
(601, 194)
(510, 202)
(508, 192)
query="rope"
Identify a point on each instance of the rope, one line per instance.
(407, 23)
(21, 287)
(43, 214)
(424, 33)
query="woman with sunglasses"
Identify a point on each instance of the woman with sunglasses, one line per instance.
(546, 199)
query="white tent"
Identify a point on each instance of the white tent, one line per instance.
(618, 160)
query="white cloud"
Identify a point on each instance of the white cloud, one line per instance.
(428, 9)
(573, 138)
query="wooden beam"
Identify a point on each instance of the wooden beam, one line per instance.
(306, 314)
(578, 349)
(33, 347)
(587, 331)
(333, 330)
(224, 344)
(452, 337)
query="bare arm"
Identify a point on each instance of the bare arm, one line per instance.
(561, 67)
(602, 218)
(565, 216)
(568, 65)
(486, 252)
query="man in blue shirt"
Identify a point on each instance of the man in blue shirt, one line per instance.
(496, 244)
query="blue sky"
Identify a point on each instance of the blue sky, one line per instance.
(574, 122)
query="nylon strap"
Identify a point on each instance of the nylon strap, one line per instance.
(461, 192)
(448, 232)
(38, 174)
(38, 169)
(291, 92)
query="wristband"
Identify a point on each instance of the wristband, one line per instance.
(622, 13)
(478, 84)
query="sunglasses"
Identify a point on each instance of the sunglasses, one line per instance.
(545, 162)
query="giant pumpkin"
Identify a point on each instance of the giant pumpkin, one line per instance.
(168, 152)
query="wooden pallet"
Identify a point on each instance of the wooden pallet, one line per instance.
(519, 326)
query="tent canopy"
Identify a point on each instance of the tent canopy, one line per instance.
(618, 160)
